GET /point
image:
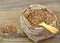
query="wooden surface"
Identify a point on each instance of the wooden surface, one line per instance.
(12, 17)
(11, 10)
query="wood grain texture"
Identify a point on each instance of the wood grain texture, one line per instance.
(10, 11)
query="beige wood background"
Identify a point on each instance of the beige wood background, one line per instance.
(10, 11)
